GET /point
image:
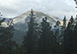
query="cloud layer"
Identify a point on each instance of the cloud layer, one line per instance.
(57, 8)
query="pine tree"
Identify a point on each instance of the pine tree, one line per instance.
(63, 28)
(59, 37)
(64, 22)
(47, 41)
(72, 20)
(29, 43)
(57, 32)
(68, 37)
(75, 39)
(6, 43)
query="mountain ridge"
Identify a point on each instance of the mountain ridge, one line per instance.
(28, 12)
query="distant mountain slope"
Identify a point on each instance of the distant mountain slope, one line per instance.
(21, 26)
(38, 14)
(20, 22)
(18, 36)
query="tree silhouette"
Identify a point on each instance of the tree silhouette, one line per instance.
(30, 39)
(47, 41)
(64, 22)
(6, 43)
(68, 37)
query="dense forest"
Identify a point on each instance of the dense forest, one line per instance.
(41, 39)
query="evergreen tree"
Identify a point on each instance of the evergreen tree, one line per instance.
(63, 28)
(29, 43)
(6, 43)
(64, 22)
(47, 40)
(58, 32)
(72, 20)
(75, 39)
(68, 37)
(59, 37)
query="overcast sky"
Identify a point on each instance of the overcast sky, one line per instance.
(57, 8)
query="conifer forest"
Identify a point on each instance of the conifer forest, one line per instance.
(43, 35)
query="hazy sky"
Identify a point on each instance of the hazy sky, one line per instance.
(57, 8)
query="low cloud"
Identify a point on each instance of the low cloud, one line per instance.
(57, 8)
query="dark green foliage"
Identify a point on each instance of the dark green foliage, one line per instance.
(75, 39)
(71, 20)
(68, 38)
(64, 22)
(57, 24)
(59, 38)
(41, 39)
(47, 42)
(6, 43)
(30, 40)
(63, 28)
(57, 32)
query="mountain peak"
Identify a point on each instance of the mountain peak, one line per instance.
(36, 13)
(23, 19)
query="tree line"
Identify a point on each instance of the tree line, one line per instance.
(41, 39)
